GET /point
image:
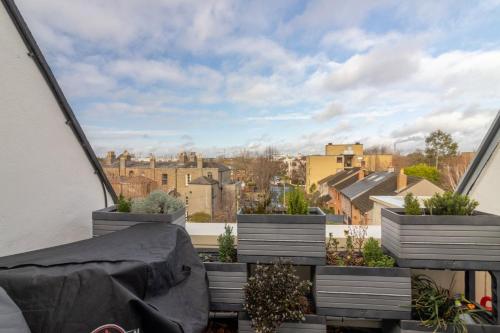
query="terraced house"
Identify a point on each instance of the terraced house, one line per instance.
(204, 184)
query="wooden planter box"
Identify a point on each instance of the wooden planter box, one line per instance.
(225, 283)
(414, 326)
(107, 220)
(363, 292)
(264, 238)
(432, 241)
(312, 324)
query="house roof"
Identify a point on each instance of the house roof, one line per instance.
(388, 186)
(41, 63)
(484, 154)
(203, 180)
(338, 176)
(365, 184)
(345, 183)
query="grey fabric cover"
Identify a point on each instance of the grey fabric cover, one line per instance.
(11, 318)
(148, 276)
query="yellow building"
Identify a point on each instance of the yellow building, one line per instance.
(340, 157)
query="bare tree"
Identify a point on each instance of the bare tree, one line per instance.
(264, 168)
(298, 176)
(453, 169)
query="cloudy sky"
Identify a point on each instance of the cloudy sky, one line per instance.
(218, 76)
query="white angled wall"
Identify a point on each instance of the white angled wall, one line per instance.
(48, 188)
(487, 188)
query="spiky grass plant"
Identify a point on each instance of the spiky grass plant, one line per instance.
(435, 306)
(273, 295)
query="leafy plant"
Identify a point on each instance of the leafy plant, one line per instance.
(274, 294)
(297, 203)
(374, 256)
(450, 203)
(227, 252)
(157, 202)
(355, 237)
(423, 170)
(435, 306)
(412, 206)
(124, 204)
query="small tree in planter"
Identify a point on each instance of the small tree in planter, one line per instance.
(274, 294)
(297, 236)
(158, 206)
(361, 280)
(226, 278)
(447, 233)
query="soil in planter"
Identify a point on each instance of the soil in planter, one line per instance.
(222, 325)
(336, 329)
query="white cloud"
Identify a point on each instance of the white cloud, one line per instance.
(331, 111)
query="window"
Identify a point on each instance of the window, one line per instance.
(164, 179)
(188, 179)
(339, 159)
(209, 175)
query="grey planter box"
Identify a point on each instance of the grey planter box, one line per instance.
(363, 292)
(414, 326)
(312, 324)
(264, 238)
(225, 283)
(452, 242)
(107, 220)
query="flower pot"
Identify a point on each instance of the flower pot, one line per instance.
(312, 324)
(414, 326)
(442, 241)
(225, 284)
(363, 292)
(264, 238)
(107, 220)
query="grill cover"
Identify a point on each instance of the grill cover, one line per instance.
(147, 277)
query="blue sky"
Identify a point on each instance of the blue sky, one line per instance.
(221, 76)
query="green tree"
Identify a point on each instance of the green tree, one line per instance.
(422, 170)
(440, 144)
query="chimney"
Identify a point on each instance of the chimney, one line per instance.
(361, 174)
(152, 162)
(110, 157)
(123, 165)
(401, 181)
(199, 161)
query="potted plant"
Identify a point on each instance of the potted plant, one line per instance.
(361, 281)
(226, 278)
(438, 310)
(276, 300)
(298, 235)
(158, 206)
(447, 233)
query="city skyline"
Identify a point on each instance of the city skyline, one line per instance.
(223, 76)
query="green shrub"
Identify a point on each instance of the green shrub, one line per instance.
(227, 252)
(200, 217)
(297, 203)
(422, 170)
(157, 202)
(374, 256)
(123, 205)
(450, 203)
(412, 206)
(274, 294)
